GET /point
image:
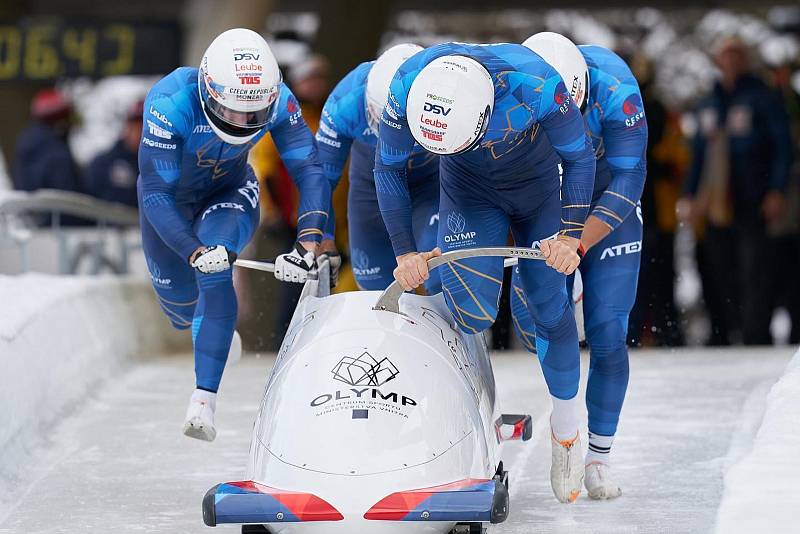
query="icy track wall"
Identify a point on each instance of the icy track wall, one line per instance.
(59, 338)
(761, 491)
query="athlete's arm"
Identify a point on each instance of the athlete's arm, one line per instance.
(297, 148)
(336, 133)
(395, 144)
(160, 169)
(625, 142)
(562, 122)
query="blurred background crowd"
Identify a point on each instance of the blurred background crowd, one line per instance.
(721, 88)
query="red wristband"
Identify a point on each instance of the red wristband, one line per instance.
(581, 251)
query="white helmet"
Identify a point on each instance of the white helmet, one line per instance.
(566, 58)
(449, 104)
(380, 77)
(238, 83)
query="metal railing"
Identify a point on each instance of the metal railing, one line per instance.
(19, 211)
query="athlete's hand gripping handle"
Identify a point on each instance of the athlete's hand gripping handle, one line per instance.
(214, 259)
(295, 265)
(412, 268)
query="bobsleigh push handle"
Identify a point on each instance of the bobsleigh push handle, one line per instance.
(390, 298)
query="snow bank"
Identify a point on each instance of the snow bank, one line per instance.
(59, 338)
(761, 491)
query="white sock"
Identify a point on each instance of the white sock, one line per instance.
(208, 397)
(599, 449)
(564, 420)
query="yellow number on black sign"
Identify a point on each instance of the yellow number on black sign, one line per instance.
(81, 46)
(126, 41)
(10, 47)
(41, 57)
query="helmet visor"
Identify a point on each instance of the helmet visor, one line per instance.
(246, 120)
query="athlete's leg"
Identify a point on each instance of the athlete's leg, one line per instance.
(610, 272)
(371, 253)
(229, 220)
(545, 293)
(172, 277)
(467, 219)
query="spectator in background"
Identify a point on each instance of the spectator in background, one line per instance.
(741, 155)
(786, 288)
(654, 319)
(112, 175)
(43, 158)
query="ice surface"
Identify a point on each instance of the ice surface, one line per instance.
(122, 465)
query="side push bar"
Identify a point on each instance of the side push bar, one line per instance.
(390, 298)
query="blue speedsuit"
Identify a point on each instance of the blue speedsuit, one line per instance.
(196, 190)
(610, 269)
(343, 131)
(510, 181)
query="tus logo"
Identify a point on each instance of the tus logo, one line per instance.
(364, 370)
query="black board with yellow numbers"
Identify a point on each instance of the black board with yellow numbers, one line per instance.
(46, 49)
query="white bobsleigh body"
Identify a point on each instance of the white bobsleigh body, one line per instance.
(373, 421)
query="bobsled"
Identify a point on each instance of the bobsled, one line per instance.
(380, 415)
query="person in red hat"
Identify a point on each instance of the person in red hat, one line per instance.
(112, 174)
(43, 158)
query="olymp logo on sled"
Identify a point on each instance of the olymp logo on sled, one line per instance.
(365, 375)
(364, 371)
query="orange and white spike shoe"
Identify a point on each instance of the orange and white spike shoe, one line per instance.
(599, 482)
(200, 416)
(567, 470)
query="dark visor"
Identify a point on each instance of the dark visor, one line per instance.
(236, 123)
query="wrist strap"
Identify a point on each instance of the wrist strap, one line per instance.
(300, 249)
(581, 251)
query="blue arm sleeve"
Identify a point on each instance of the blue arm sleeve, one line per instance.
(160, 170)
(395, 144)
(625, 142)
(564, 126)
(335, 136)
(297, 148)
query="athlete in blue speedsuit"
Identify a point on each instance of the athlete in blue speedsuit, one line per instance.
(349, 127)
(500, 118)
(612, 237)
(199, 197)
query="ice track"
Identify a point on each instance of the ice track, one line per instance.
(120, 463)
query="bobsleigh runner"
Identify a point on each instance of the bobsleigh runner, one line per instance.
(379, 415)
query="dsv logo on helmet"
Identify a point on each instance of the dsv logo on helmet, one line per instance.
(437, 109)
(246, 56)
